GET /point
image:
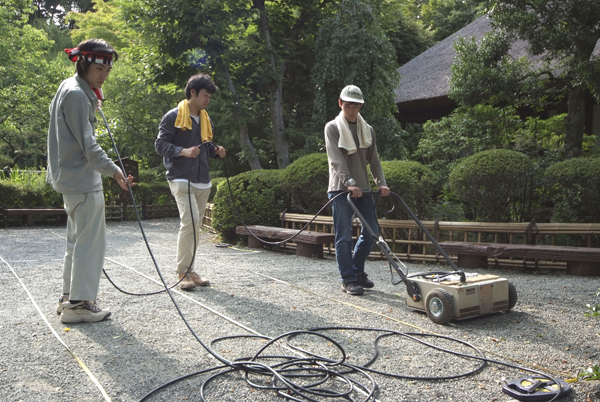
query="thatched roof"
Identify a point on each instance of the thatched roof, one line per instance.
(424, 84)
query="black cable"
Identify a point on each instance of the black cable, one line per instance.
(316, 367)
(140, 223)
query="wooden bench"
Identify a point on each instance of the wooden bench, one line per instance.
(308, 243)
(29, 213)
(583, 261)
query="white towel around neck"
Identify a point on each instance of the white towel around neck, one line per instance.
(346, 141)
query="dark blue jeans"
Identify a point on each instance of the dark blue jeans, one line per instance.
(348, 264)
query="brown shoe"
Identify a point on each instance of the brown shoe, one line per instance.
(187, 283)
(199, 280)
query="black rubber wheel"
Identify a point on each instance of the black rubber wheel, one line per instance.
(512, 295)
(439, 305)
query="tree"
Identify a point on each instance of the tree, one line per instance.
(294, 23)
(445, 17)
(54, 11)
(352, 48)
(565, 34)
(188, 37)
(486, 73)
(28, 80)
(406, 34)
(248, 48)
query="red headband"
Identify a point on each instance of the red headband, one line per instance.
(92, 57)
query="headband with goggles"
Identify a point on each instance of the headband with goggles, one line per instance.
(92, 57)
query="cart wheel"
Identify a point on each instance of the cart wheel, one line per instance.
(439, 305)
(512, 295)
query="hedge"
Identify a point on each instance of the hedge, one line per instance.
(576, 190)
(260, 197)
(490, 182)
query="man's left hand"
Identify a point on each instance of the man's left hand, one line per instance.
(122, 180)
(221, 151)
(385, 191)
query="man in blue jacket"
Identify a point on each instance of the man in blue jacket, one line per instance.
(185, 143)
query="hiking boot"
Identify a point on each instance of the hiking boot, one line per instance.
(187, 283)
(352, 288)
(198, 280)
(364, 281)
(62, 300)
(85, 311)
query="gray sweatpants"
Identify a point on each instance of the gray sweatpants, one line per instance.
(86, 245)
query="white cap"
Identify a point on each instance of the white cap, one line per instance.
(352, 93)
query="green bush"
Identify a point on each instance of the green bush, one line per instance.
(260, 198)
(24, 189)
(413, 182)
(10, 194)
(463, 133)
(152, 187)
(306, 181)
(576, 190)
(215, 184)
(489, 183)
(153, 193)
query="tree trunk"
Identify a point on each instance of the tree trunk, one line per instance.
(281, 143)
(575, 122)
(276, 91)
(244, 138)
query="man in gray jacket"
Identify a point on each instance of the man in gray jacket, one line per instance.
(75, 165)
(351, 145)
(185, 143)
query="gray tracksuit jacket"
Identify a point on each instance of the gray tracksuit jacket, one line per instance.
(343, 166)
(75, 160)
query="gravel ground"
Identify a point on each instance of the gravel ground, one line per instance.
(146, 343)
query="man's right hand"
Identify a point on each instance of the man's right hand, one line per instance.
(356, 191)
(191, 152)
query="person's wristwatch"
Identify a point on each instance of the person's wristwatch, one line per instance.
(350, 182)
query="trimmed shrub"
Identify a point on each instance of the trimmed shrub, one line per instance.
(155, 192)
(10, 194)
(215, 181)
(413, 182)
(306, 181)
(152, 187)
(490, 182)
(259, 197)
(576, 190)
(24, 189)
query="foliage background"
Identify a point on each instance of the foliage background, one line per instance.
(280, 66)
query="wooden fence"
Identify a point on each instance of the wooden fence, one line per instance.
(115, 212)
(406, 239)
(126, 212)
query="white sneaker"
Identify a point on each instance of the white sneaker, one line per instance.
(62, 300)
(85, 311)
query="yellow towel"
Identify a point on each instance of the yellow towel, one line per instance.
(183, 121)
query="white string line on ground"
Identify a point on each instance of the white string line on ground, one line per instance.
(81, 363)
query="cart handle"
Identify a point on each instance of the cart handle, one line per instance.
(411, 213)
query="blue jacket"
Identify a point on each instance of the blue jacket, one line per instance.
(172, 140)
